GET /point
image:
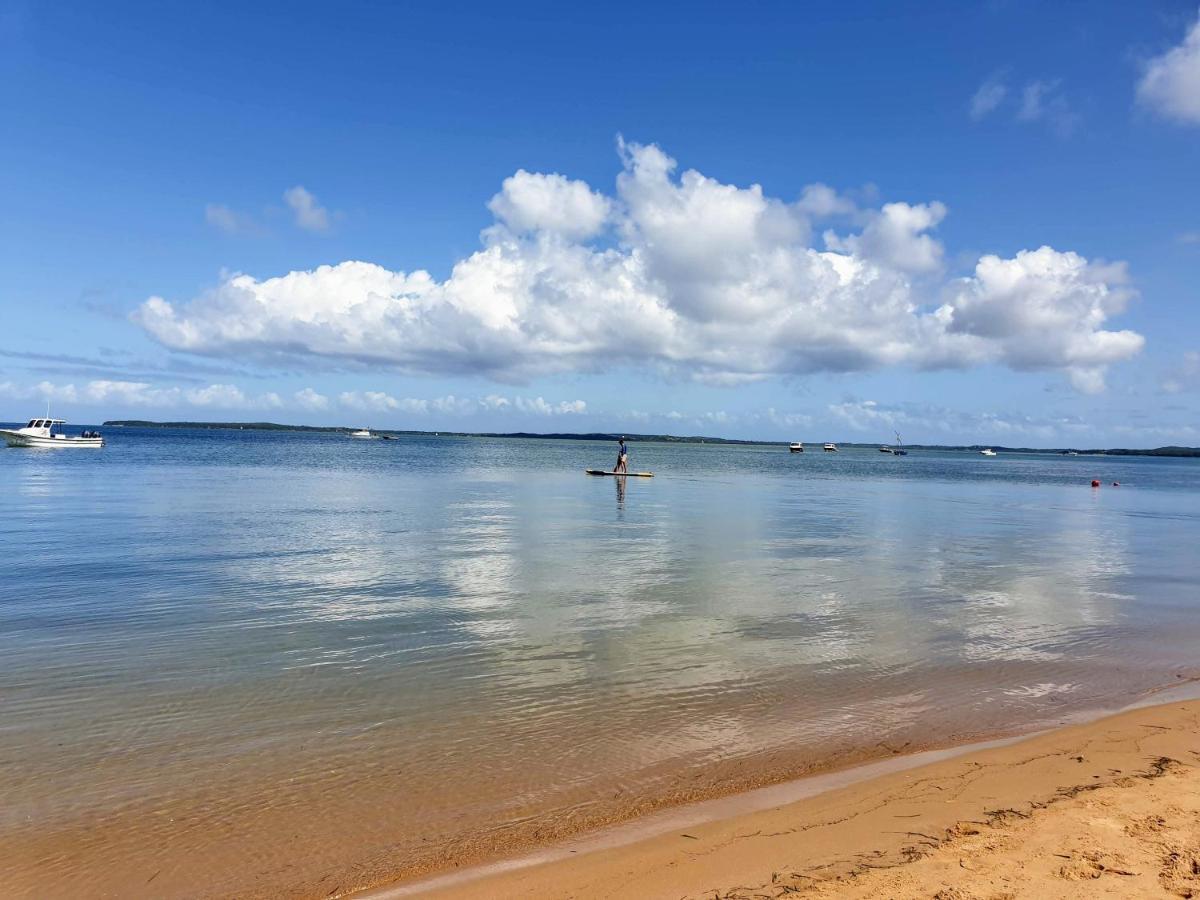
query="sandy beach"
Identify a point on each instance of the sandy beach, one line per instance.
(1106, 808)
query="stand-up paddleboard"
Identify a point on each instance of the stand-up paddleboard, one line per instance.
(621, 474)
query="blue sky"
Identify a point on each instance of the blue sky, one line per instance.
(615, 208)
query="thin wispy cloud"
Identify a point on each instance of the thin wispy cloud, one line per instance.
(122, 366)
(987, 98)
(1038, 101)
(306, 211)
(1183, 377)
(869, 416)
(221, 396)
(222, 218)
(108, 392)
(1044, 101)
(1170, 83)
(302, 206)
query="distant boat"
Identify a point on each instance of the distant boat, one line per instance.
(362, 433)
(886, 449)
(988, 451)
(45, 433)
(830, 448)
(899, 450)
(796, 447)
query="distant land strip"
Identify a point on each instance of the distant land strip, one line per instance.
(661, 438)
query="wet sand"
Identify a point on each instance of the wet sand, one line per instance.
(1106, 808)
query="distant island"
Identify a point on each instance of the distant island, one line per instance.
(660, 438)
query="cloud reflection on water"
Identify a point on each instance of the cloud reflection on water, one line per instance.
(360, 619)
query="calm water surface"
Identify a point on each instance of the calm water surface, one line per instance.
(236, 662)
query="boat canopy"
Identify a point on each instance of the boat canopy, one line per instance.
(45, 423)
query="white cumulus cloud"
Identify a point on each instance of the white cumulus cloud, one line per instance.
(309, 399)
(896, 237)
(1170, 84)
(866, 415)
(680, 273)
(543, 408)
(530, 202)
(379, 401)
(1041, 310)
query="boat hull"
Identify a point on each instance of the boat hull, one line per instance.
(16, 439)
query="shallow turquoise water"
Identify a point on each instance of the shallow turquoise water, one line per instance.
(474, 636)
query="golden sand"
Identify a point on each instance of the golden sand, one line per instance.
(1110, 808)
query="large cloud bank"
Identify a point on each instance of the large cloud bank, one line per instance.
(684, 274)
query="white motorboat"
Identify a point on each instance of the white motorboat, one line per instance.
(987, 451)
(46, 433)
(796, 447)
(830, 448)
(362, 433)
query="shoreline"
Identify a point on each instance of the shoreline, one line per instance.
(665, 851)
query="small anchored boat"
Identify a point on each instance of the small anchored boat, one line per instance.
(987, 451)
(46, 433)
(830, 448)
(796, 447)
(362, 433)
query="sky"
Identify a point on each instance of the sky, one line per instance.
(967, 223)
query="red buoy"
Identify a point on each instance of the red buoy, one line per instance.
(1095, 483)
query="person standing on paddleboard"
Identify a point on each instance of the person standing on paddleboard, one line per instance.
(622, 457)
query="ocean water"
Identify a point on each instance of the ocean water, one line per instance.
(239, 663)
